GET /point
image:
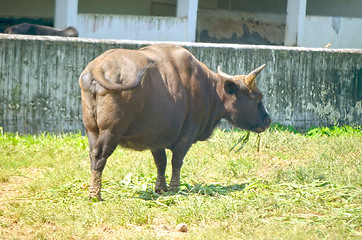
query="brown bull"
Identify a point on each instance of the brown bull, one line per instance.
(35, 29)
(161, 97)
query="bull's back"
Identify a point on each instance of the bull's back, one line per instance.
(153, 113)
(164, 97)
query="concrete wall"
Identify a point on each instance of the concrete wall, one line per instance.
(340, 32)
(222, 21)
(245, 22)
(179, 27)
(257, 22)
(303, 87)
(132, 27)
(224, 26)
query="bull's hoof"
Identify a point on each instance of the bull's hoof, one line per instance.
(94, 195)
(175, 185)
(95, 199)
(174, 189)
(161, 189)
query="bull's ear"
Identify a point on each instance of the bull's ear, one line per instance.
(231, 87)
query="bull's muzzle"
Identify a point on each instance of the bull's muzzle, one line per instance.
(266, 124)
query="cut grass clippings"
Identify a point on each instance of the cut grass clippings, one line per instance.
(297, 186)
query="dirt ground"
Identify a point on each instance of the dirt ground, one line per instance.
(10, 227)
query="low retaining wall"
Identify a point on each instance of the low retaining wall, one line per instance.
(302, 87)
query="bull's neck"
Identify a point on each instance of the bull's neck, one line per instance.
(218, 82)
(217, 109)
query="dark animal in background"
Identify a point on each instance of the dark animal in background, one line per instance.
(161, 97)
(34, 29)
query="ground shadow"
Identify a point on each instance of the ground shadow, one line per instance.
(188, 190)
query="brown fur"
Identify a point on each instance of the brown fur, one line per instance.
(34, 29)
(160, 97)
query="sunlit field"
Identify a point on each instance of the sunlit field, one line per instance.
(289, 186)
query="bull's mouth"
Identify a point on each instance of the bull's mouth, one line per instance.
(264, 127)
(259, 129)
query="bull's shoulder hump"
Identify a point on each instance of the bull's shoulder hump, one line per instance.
(165, 49)
(163, 46)
(118, 54)
(167, 53)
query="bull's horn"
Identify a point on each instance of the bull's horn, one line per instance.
(221, 73)
(250, 79)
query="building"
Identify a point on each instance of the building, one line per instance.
(304, 23)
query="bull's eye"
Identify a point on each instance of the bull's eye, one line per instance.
(258, 98)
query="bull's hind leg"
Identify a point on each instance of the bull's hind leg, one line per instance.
(161, 162)
(104, 147)
(92, 138)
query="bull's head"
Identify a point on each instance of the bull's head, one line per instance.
(242, 101)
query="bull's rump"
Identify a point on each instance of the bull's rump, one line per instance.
(151, 115)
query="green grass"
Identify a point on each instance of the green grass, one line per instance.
(298, 186)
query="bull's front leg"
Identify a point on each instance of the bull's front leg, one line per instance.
(178, 155)
(179, 152)
(161, 162)
(177, 162)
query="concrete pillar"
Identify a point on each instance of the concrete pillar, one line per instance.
(294, 28)
(65, 14)
(188, 9)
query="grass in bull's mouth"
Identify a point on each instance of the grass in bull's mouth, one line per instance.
(297, 186)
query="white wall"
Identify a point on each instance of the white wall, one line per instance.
(335, 8)
(340, 32)
(132, 27)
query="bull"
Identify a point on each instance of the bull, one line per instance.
(35, 29)
(161, 97)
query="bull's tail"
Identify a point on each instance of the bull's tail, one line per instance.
(98, 74)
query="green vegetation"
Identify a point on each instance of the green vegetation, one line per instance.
(297, 186)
